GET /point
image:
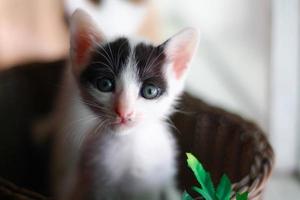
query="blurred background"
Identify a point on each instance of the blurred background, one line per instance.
(248, 60)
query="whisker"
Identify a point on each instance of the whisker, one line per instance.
(171, 124)
(71, 132)
(99, 126)
(107, 56)
(148, 59)
(120, 53)
(111, 54)
(108, 67)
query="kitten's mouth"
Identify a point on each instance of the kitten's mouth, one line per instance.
(122, 122)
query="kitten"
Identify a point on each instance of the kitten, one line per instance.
(113, 141)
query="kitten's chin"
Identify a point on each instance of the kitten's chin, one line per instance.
(123, 126)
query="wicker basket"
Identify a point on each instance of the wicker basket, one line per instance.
(223, 142)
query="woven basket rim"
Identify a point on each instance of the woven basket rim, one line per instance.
(262, 166)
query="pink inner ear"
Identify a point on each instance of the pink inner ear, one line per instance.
(83, 45)
(181, 60)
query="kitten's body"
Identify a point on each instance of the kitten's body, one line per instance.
(139, 165)
(113, 141)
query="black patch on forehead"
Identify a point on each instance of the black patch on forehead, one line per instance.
(107, 60)
(150, 60)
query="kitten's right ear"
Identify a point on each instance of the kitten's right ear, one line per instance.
(180, 50)
(84, 36)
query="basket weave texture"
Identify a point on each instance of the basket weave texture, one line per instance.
(223, 142)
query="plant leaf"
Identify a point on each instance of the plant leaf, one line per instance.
(243, 196)
(202, 177)
(186, 196)
(203, 193)
(210, 186)
(224, 188)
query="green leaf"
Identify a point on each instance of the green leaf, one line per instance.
(202, 177)
(243, 196)
(186, 196)
(203, 193)
(224, 188)
(207, 189)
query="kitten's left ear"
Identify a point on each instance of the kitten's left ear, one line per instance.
(180, 50)
(84, 36)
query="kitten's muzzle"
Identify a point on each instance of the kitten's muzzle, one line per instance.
(123, 117)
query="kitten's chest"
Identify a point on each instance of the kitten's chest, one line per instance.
(139, 156)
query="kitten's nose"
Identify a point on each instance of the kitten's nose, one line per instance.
(124, 115)
(124, 109)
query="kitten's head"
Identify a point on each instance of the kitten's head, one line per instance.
(127, 82)
(113, 16)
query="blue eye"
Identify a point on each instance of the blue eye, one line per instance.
(150, 91)
(105, 84)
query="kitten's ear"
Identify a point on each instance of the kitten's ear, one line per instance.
(84, 35)
(180, 49)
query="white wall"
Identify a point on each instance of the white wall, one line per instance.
(284, 98)
(248, 62)
(231, 68)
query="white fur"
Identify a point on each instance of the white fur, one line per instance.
(137, 163)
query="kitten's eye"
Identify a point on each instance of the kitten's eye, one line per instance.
(105, 85)
(150, 91)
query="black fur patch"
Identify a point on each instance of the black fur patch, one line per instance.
(107, 61)
(149, 60)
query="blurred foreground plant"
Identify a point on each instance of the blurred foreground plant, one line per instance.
(207, 189)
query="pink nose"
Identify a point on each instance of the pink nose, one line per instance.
(124, 115)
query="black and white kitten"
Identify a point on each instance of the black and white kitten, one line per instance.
(113, 141)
